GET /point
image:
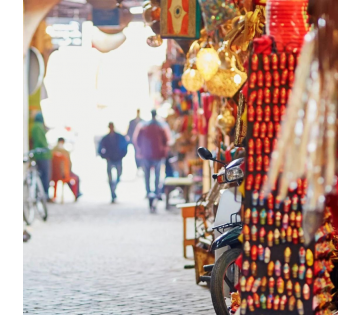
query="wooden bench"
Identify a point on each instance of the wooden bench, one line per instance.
(172, 183)
(187, 211)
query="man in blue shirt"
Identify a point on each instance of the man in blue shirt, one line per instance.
(113, 148)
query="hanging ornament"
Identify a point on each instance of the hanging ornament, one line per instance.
(215, 12)
(207, 60)
(226, 120)
(192, 79)
(230, 76)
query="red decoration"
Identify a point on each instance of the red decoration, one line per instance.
(263, 130)
(258, 163)
(267, 113)
(277, 129)
(249, 181)
(258, 146)
(276, 113)
(263, 45)
(252, 98)
(276, 94)
(266, 163)
(257, 182)
(260, 96)
(283, 96)
(283, 60)
(259, 113)
(252, 80)
(270, 130)
(291, 78)
(267, 145)
(267, 96)
(274, 62)
(268, 79)
(291, 62)
(250, 163)
(260, 78)
(284, 76)
(270, 201)
(276, 77)
(251, 147)
(282, 112)
(251, 113)
(266, 62)
(254, 62)
(256, 129)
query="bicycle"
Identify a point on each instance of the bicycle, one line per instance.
(34, 197)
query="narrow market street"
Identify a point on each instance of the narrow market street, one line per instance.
(93, 257)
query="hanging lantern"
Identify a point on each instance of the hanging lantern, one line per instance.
(192, 79)
(226, 121)
(207, 61)
(230, 76)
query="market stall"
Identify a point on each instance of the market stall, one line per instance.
(261, 76)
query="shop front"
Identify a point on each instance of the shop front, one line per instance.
(256, 82)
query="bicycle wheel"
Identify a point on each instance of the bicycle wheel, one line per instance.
(41, 199)
(28, 205)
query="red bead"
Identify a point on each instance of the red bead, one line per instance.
(260, 96)
(263, 130)
(276, 94)
(283, 60)
(259, 113)
(276, 113)
(258, 146)
(276, 78)
(260, 78)
(254, 62)
(284, 76)
(256, 129)
(268, 79)
(258, 163)
(270, 129)
(251, 147)
(252, 80)
(266, 63)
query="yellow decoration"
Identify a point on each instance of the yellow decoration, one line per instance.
(192, 79)
(246, 29)
(226, 120)
(228, 79)
(207, 62)
(309, 257)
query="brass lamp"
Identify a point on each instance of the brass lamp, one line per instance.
(192, 79)
(230, 76)
(207, 60)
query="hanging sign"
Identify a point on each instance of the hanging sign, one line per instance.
(180, 19)
(106, 17)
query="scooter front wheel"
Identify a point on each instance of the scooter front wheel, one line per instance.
(224, 277)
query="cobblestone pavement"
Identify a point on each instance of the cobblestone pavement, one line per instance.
(92, 257)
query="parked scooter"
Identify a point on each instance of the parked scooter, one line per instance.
(228, 227)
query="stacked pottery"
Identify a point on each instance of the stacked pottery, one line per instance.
(287, 22)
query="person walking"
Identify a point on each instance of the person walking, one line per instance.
(74, 182)
(132, 126)
(43, 159)
(113, 148)
(151, 140)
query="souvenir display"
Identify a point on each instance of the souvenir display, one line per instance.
(279, 222)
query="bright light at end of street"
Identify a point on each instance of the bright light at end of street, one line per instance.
(136, 10)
